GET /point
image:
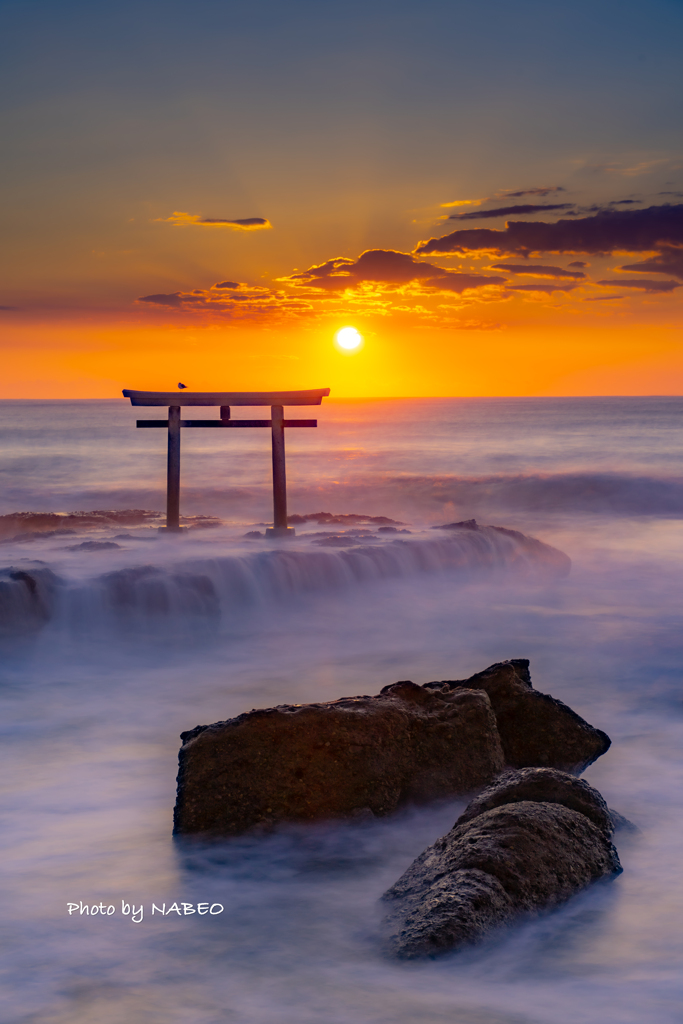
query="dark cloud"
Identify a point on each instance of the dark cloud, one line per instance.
(647, 286)
(173, 299)
(8, 309)
(181, 218)
(624, 202)
(668, 261)
(547, 288)
(535, 270)
(579, 263)
(245, 222)
(507, 211)
(385, 266)
(227, 284)
(604, 298)
(543, 191)
(606, 232)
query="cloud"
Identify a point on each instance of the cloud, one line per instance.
(648, 286)
(535, 270)
(478, 325)
(605, 232)
(388, 268)
(668, 261)
(545, 190)
(246, 224)
(632, 172)
(507, 211)
(463, 202)
(547, 288)
(603, 298)
(579, 263)
(624, 202)
(181, 219)
(235, 301)
(380, 281)
(171, 299)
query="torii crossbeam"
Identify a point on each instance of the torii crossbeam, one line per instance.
(277, 400)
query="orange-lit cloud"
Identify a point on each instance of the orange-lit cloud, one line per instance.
(545, 288)
(648, 286)
(380, 281)
(536, 270)
(463, 202)
(181, 219)
(669, 260)
(233, 300)
(388, 268)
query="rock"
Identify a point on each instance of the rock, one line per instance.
(17, 523)
(543, 785)
(518, 858)
(27, 598)
(535, 729)
(336, 759)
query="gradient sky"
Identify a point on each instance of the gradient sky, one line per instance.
(492, 193)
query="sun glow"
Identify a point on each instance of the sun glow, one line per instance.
(348, 339)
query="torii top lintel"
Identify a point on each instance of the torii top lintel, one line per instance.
(271, 398)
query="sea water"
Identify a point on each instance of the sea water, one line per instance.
(148, 635)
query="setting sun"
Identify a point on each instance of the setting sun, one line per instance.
(348, 338)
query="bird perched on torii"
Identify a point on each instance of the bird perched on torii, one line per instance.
(182, 386)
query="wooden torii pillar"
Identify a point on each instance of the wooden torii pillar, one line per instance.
(277, 400)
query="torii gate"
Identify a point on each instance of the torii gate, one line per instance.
(275, 399)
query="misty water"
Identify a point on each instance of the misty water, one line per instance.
(144, 636)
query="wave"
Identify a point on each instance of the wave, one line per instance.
(404, 496)
(202, 593)
(614, 493)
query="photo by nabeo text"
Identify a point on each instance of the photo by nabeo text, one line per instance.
(136, 914)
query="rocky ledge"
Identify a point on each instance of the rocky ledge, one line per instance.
(369, 755)
(526, 844)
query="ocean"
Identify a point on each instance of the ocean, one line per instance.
(139, 636)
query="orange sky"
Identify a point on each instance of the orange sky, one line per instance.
(170, 216)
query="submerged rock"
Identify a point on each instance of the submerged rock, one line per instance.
(337, 759)
(501, 860)
(535, 729)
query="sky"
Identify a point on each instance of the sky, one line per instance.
(490, 193)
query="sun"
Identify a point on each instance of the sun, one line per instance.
(348, 339)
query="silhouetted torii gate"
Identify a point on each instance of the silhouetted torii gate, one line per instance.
(275, 399)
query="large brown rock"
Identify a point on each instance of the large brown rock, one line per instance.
(517, 858)
(535, 728)
(337, 759)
